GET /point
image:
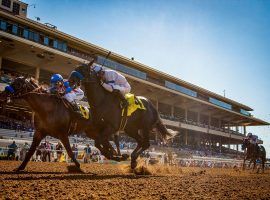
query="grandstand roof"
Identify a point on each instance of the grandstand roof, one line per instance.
(124, 60)
(60, 59)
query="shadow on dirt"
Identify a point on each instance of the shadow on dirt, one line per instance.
(69, 176)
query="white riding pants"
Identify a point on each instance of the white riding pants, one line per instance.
(76, 94)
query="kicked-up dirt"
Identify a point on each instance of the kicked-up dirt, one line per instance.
(115, 181)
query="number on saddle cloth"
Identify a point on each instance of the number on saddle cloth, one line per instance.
(134, 103)
(85, 111)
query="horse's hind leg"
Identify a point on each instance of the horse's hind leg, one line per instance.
(66, 144)
(244, 164)
(38, 136)
(143, 144)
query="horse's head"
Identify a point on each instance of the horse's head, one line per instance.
(245, 143)
(84, 73)
(18, 87)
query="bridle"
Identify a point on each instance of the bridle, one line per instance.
(24, 88)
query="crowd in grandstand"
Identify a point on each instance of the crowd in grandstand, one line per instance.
(14, 124)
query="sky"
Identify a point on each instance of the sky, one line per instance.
(215, 44)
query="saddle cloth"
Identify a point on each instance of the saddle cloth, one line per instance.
(134, 103)
(84, 111)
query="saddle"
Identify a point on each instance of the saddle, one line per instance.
(134, 103)
(84, 111)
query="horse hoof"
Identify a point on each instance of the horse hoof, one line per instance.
(125, 157)
(133, 164)
(17, 170)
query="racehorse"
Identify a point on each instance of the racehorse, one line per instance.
(52, 118)
(253, 153)
(107, 114)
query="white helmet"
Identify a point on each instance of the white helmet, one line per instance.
(97, 68)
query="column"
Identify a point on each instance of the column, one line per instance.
(220, 144)
(186, 112)
(172, 111)
(186, 137)
(245, 131)
(209, 121)
(37, 73)
(237, 129)
(219, 123)
(198, 117)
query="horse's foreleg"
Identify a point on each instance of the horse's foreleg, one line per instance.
(263, 164)
(36, 140)
(66, 144)
(116, 141)
(254, 164)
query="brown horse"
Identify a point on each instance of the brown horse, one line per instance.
(254, 152)
(52, 118)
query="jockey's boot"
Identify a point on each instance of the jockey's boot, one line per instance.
(76, 109)
(124, 102)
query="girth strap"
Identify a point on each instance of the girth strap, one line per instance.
(124, 119)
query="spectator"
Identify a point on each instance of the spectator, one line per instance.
(25, 149)
(74, 149)
(47, 152)
(59, 150)
(87, 154)
(39, 153)
(11, 150)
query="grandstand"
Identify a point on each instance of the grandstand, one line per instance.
(203, 118)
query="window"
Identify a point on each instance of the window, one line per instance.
(6, 3)
(16, 8)
(20, 31)
(64, 46)
(220, 103)
(9, 28)
(122, 68)
(3, 25)
(31, 35)
(36, 37)
(15, 30)
(55, 44)
(60, 45)
(244, 112)
(25, 33)
(46, 40)
(181, 89)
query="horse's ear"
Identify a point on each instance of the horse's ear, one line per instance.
(90, 63)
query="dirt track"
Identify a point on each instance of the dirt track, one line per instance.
(53, 181)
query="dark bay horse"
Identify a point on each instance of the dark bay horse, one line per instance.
(254, 152)
(52, 118)
(107, 113)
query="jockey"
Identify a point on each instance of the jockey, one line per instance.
(61, 86)
(252, 138)
(113, 82)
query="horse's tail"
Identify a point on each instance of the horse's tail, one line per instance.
(263, 152)
(165, 133)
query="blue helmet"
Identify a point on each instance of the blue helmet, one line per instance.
(56, 78)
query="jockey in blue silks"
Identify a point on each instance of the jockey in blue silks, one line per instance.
(61, 86)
